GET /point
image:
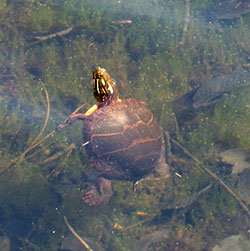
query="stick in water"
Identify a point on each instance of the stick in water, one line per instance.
(76, 235)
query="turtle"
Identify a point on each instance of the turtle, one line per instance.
(122, 138)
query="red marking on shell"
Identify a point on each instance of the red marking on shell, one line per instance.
(135, 142)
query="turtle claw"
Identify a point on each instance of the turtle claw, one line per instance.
(100, 195)
(60, 127)
(90, 197)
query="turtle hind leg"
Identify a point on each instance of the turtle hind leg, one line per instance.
(99, 194)
(162, 169)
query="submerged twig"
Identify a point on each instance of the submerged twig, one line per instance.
(43, 129)
(55, 131)
(122, 22)
(30, 244)
(139, 223)
(76, 235)
(75, 111)
(42, 148)
(186, 22)
(60, 33)
(242, 204)
(168, 144)
(57, 155)
(33, 144)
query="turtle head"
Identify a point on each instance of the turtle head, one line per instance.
(104, 87)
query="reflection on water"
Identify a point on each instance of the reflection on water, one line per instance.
(186, 60)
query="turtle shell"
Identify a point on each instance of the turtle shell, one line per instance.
(125, 140)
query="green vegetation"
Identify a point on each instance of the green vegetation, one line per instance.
(145, 57)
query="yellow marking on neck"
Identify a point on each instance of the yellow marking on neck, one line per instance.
(91, 110)
(95, 107)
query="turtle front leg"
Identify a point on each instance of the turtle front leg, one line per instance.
(99, 194)
(77, 116)
(71, 120)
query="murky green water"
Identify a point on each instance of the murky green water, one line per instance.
(188, 60)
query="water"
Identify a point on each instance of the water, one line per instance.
(48, 50)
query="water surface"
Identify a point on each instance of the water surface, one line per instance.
(159, 52)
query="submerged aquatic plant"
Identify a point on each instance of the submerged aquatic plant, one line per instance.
(145, 57)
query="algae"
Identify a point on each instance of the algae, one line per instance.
(146, 58)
